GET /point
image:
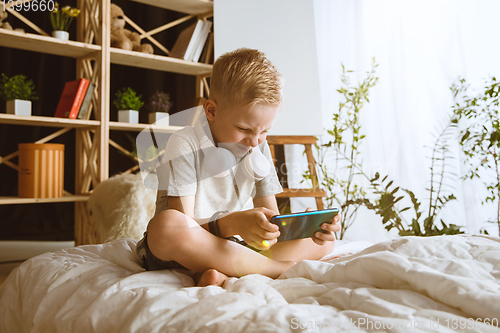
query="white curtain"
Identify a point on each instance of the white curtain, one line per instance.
(421, 48)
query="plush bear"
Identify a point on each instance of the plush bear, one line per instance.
(6, 25)
(123, 38)
(3, 16)
(121, 207)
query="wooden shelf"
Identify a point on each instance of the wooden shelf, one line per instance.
(46, 121)
(195, 7)
(300, 192)
(16, 200)
(158, 63)
(118, 126)
(45, 44)
(94, 62)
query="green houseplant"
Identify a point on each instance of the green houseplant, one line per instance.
(478, 115)
(18, 91)
(61, 19)
(349, 187)
(439, 190)
(343, 177)
(158, 106)
(128, 103)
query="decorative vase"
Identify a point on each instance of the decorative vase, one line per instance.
(158, 118)
(19, 107)
(60, 34)
(128, 116)
(41, 170)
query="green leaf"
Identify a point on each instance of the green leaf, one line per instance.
(465, 136)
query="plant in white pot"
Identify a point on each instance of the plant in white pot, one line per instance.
(18, 91)
(128, 104)
(61, 19)
(159, 106)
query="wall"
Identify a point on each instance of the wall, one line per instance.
(284, 30)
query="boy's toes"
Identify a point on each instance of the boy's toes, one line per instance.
(210, 277)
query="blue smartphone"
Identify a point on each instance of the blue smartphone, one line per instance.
(304, 224)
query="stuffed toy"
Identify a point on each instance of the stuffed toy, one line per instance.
(6, 25)
(3, 16)
(123, 38)
(121, 207)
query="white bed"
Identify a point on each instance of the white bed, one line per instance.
(440, 284)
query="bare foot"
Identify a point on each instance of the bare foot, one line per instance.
(211, 277)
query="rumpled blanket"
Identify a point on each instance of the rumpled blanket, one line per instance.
(410, 284)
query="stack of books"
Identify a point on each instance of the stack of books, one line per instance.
(195, 43)
(75, 99)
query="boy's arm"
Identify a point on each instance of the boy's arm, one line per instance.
(265, 207)
(268, 202)
(182, 204)
(186, 205)
(270, 208)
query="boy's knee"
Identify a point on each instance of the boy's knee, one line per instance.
(325, 249)
(169, 217)
(167, 226)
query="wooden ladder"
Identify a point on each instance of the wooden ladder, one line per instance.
(306, 140)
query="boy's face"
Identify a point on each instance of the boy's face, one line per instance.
(240, 129)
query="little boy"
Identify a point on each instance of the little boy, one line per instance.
(199, 212)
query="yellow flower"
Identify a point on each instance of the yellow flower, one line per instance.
(62, 19)
(74, 12)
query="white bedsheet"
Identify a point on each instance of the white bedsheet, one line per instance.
(436, 284)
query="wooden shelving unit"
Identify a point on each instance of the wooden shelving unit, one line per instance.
(45, 44)
(94, 57)
(67, 198)
(196, 7)
(47, 121)
(117, 126)
(158, 63)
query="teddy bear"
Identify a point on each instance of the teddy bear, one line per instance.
(123, 38)
(6, 25)
(3, 16)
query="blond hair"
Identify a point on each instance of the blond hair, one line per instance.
(245, 77)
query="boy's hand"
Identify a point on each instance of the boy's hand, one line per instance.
(254, 227)
(327, 233)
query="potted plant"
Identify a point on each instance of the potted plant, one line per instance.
(159, 106)
(18, 91)
(478, 115)
(128, 104)
(61, 19)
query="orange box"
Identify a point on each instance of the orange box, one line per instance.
(41, 170)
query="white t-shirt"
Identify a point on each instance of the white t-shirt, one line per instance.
(183, 174)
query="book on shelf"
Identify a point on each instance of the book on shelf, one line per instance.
(185, 43)
(202, 40)
(87, 100)
(208, 50)
(71, 98)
